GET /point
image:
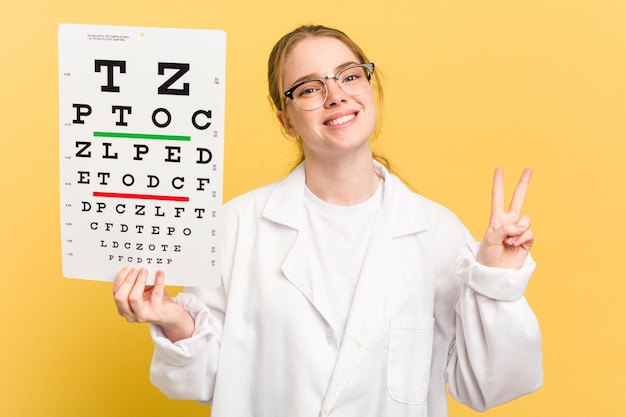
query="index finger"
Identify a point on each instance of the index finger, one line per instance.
(497, 192)
(121, 278)
(520, 191)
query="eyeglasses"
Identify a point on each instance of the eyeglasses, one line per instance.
(312, 93)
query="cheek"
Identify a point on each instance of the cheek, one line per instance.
(301, 123)
(372, 113)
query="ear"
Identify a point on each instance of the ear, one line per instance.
(284, 122)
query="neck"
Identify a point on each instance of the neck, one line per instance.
(343, 183)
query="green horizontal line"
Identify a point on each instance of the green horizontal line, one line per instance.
(140, 136)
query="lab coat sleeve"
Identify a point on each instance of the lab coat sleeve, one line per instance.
(186, 369)
(495, 353)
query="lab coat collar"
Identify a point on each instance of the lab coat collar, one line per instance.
(402, 209)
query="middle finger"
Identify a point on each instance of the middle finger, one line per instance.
(520, 192)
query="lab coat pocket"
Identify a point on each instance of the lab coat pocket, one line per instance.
(408, 359)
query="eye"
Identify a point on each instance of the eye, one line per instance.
(351, 75)
(309, 88)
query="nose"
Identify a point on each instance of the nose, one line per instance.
(335, 93)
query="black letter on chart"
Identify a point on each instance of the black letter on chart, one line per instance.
(165, 87)
(81, 110)
(121, 110)
(110, 64)
(83, 151)
(207, 113)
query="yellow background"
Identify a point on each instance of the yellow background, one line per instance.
(470, 84)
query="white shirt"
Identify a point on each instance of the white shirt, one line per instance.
(336, 238)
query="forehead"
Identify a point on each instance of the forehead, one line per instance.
(316, 56)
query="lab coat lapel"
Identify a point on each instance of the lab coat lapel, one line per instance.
(285, 207)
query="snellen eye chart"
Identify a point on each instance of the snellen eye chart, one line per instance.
(141, 144)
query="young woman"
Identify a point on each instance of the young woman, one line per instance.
(344, 293)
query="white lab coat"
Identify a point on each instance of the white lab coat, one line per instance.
(424, 313)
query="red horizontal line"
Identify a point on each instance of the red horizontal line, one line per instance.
(140, 196)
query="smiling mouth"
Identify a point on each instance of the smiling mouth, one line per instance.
(341, 120)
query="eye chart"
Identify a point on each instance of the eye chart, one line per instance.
(141, 123)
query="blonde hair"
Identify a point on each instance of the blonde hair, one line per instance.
(276, 64)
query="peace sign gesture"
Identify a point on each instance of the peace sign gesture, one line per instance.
(508, 238)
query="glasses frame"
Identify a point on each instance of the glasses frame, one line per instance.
(369, 66)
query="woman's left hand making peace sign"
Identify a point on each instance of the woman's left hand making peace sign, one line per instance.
(508, 238)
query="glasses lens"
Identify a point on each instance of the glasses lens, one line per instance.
(355, 80)
(310, 95)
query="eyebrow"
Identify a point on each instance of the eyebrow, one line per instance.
(314, 75)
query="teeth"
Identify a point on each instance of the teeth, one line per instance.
(341, 120)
